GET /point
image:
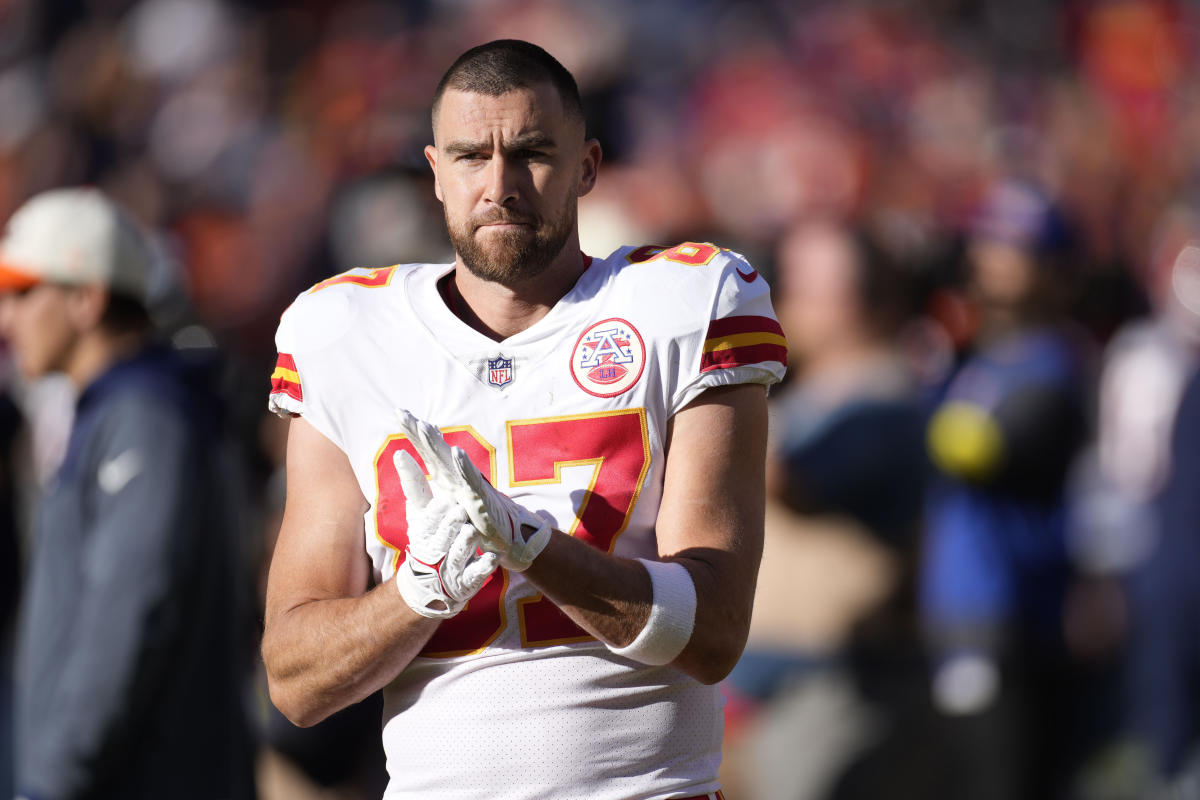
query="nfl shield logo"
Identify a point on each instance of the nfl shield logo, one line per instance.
(499, 371)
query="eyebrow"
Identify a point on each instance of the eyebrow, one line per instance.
(523, 141)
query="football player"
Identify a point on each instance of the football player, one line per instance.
(525, 489)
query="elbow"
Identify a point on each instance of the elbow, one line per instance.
(712, 672)
(716, 647)
(301, 719)
(721, 626)
(298, 709)
(288, 693)
(711, 664)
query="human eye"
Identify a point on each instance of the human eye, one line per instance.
(471, 156)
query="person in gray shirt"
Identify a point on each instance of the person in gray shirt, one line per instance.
(134, 629)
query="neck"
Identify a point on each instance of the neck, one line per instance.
(501, 310)
(99, 350)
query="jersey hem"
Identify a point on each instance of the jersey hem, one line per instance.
(751, 373)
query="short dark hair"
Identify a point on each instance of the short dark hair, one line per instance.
(501, 66)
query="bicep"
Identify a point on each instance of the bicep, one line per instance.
(713, 491)
(319, 554)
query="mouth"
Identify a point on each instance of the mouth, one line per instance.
(504, 226)
(504, 223)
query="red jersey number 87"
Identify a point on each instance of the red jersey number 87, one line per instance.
(615, 444)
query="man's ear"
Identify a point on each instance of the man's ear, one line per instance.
(591, 166)
(86, 305)
(431, 155)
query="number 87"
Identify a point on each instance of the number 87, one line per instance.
(616, 444)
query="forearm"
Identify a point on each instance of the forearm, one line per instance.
(611, 597)
(607, 596)
(724, 585)
(693, 613)
(324, 655)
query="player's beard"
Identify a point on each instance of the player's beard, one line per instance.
(512, 256)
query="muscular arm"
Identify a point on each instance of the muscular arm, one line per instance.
(710, 521)
(328, 642)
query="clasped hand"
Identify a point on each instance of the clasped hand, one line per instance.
(442, 568)
(500, 521)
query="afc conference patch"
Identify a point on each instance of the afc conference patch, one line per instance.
(500, 371)
(608, 358)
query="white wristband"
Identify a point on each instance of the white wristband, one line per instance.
(672, 615)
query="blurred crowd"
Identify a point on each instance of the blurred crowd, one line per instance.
(982, 224)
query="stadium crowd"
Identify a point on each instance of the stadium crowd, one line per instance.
(981, 222)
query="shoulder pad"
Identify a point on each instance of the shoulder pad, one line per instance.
(322, 314)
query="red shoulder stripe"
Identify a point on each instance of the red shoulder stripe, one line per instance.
(742, 356)
(279, 386)
(727, 326)
(285, 379)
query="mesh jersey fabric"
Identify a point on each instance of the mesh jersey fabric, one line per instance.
(569, 417)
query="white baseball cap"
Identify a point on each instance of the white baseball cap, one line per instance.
(74, 236)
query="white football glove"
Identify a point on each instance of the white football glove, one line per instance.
(441, 570)
(497, 517)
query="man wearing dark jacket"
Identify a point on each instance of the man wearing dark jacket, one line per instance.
(129, 652)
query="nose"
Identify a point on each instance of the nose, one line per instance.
(502, 181)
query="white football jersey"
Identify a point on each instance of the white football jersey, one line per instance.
(510, 699)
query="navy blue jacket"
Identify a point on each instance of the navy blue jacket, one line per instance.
(133, 639)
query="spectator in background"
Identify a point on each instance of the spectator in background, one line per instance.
(1164, 654)
(133, 641)
(995, 568)
(10, 581)
(1116, 482)
(846, 477)
(849, 429)
(1138, 512)
(1125, 530)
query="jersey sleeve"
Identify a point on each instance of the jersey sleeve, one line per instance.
(287, 393)
(743, 341)
(286, 398)
(312, 339)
